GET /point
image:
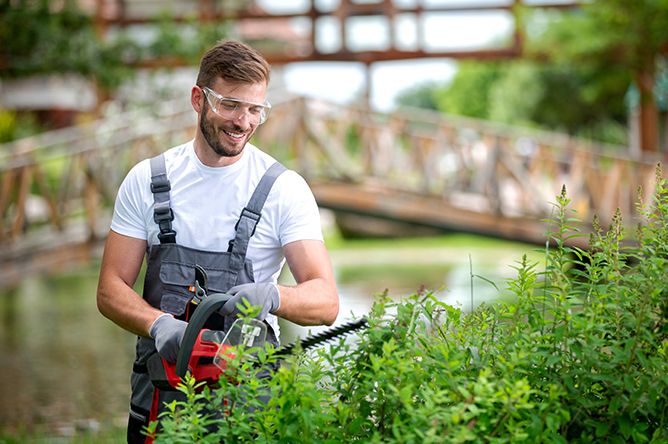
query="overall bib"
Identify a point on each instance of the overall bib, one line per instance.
(173, 271)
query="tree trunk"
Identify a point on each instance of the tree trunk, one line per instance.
(665, 132)
(649, 115)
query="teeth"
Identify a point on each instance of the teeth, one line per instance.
(234, 135)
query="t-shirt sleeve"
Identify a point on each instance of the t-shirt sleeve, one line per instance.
(300, 217)
(129, 209)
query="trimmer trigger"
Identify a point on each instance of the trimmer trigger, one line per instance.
(200, 285)
(200, 293)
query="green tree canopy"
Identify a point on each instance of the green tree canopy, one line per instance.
(38, 38)
(469, 92)
(421, 96)
(576, 73)
(615, 34)
(582, 100)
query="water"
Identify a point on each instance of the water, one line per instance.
(63, 363)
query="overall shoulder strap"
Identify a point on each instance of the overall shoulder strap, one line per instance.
(162, 212)
(251, 214)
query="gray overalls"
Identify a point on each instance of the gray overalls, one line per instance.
(171, 274)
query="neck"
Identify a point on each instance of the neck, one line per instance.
(208, 156)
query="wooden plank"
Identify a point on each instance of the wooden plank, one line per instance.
(610, 196)
(48, 196)
(5, 194)
(91, 199)
(422, 210)
(25, 176)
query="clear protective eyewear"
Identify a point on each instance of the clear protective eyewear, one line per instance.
(229, 107)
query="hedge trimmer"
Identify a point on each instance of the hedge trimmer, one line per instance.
(205, 352)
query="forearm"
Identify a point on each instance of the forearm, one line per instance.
(121, 304)
(116, 299)
(312, 302)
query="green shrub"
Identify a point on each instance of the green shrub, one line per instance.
(580, 355)
(14, 125)
(42, 37)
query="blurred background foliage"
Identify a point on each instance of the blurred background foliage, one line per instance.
(41, 37)
(14, 125)
(583, 71)
(580, 100)
(38, 39)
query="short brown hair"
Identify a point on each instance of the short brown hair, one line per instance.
(233, 61)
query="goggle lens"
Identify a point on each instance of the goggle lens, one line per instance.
(229, 107)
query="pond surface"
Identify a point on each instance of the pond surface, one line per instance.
(63, 363)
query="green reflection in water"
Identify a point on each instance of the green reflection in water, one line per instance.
(392, 276)
(61, 360)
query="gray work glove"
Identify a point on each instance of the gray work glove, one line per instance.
(168, 333)
(265, 296)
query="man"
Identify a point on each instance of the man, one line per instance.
(213, 215)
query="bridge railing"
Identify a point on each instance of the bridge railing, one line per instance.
(478, 165)
(54, 182)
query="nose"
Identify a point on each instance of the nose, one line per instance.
(242, 115)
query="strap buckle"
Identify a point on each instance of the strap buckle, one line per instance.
(167, 237)
(162, 214)
(160, 184)
(252, 215)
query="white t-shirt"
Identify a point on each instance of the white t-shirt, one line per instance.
(207, 203)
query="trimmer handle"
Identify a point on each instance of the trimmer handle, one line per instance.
(205, 309)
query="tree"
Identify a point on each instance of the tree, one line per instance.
(582, 100)
(469, 92)
(421, 96)
(628, 34)
(43, 37)
(35, 39)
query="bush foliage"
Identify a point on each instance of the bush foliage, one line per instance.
(39, 37)
(580, 355)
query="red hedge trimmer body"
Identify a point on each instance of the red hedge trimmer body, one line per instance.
(200, 363)
(204, 353)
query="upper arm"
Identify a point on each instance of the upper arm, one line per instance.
(299, 216)
(315, 299)
(133, 203)
(308, 260)
(116, 299)
(122, 259)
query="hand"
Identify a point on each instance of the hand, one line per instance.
(167, 333)
(265, 296)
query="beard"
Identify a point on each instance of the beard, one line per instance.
(210, 132)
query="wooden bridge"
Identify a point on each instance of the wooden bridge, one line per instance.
(57, 189)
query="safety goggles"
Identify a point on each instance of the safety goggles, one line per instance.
(228, 107)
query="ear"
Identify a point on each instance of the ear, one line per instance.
(196, 97)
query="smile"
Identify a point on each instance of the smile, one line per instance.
(234, 135)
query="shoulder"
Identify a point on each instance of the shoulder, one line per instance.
(292, 180)
(260, 162)
(257, 159)
(173, 157)
(139, 174)
(292, 191)
(177, 156)
(263, 161)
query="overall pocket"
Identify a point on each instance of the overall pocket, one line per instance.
(176, 280)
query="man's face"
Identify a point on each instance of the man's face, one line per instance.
(227, 131)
